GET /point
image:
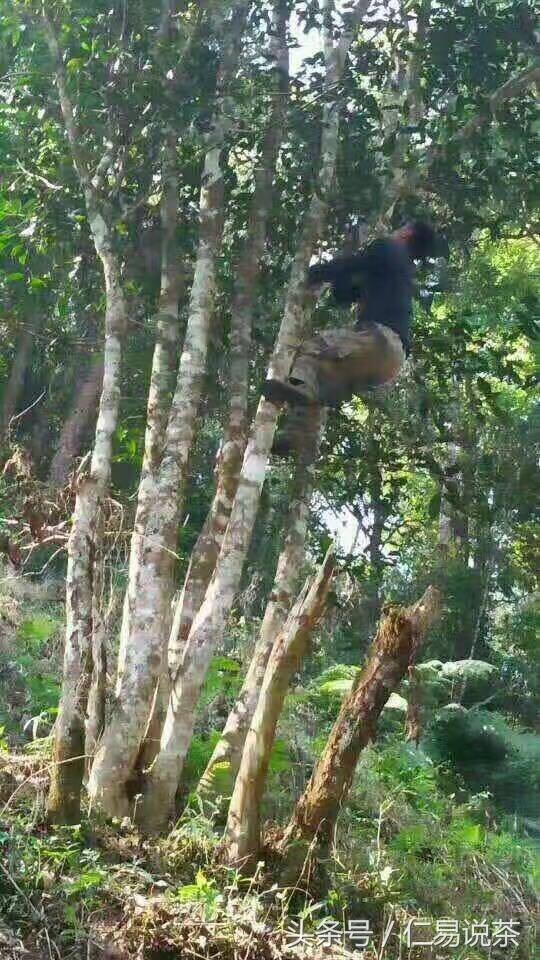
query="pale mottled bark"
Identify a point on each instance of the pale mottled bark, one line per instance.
(413, 85)
(158, 407)
(209, 623)
(206, 551)
(228, 750)
(63, 804)
(166, 318)
(447, 527)
(71, 435)
(400, 635)
(68, 758)
(95, 719)
(163, 368)
(147, 602)
(242, 833)
(83, 546)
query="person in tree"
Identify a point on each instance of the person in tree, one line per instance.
(338, 363)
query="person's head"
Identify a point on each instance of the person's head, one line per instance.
(420, 239)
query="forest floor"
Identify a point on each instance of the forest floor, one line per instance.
(409, 846)
(100, 890)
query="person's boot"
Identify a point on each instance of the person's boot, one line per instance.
(287, 391)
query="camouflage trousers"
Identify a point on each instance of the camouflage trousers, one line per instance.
(336, 364)
(328, 370)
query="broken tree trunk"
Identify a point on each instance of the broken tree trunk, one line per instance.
(400, 635)
(242, 833)
(210, 621)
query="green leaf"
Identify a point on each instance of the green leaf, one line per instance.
(340, 687)
(89, 880)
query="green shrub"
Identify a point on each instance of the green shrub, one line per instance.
(489, 754)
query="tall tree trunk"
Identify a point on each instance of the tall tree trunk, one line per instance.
(71, 435)
(206, 551)
(242, 833)
(399, 637)
(15, 382)
(209, 623)
(166, 318)
(147, 603)
(95, 713)
(453, 539)
(379, 511)
(83, 547)
(158, 406)
(228, 750)
(68, 758)
(448, 543)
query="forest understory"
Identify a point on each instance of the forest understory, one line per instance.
(269, 670)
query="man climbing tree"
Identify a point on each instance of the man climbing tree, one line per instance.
(336, 364)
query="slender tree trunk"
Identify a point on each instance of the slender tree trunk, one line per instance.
(206, 550)
(15, 382)
(209, 623)
(71, 435)
(69, 746)
(404, 90)
(95, 720)
(166, 318)
(158, 406)
(147, 603)
(379, 511)
(453, 539)
(480, 607)
(242, 833)
(104, 613)
(400, 635)
(447, 542)
(228, 750)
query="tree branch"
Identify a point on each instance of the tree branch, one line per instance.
(66, 106)
(507, 91)
(513, 87)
